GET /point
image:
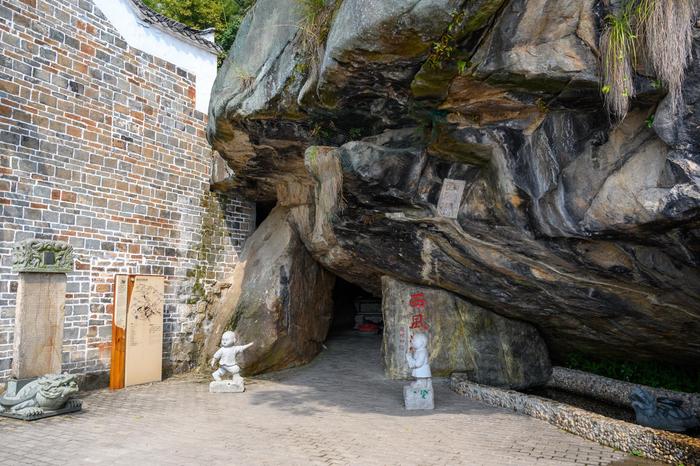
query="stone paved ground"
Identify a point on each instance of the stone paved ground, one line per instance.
(338, 410)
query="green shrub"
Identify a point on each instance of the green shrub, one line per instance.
(653, 374)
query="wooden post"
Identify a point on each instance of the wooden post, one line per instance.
(123, 286)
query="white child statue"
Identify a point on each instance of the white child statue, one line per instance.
(226, 357)
(419, 394)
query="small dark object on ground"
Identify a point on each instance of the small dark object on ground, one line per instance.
(662, 413)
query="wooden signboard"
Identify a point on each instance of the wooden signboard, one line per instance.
(137, 330)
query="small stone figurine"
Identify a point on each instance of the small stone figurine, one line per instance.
(419, 394)
(226, 357)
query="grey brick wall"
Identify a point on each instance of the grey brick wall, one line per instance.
(100, 146)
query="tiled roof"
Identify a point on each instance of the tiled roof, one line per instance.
(195, 36)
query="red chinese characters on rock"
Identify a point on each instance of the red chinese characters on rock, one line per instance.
(418, 320)
(417, 300)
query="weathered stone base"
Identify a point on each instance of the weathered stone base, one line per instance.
(237, 385)
(652, 443)
(71, 407)
(419, 395)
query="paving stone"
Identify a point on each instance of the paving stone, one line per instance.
(340, 409)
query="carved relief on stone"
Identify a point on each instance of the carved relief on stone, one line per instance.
(34, 255)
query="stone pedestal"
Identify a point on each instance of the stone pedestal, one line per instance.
(237, 385)
(419, 395)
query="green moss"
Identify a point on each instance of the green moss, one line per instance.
(482, 15)
(198, 290)
(446, 60)
(212, 227)
(443, 49)
(312, 156)
(432, 83)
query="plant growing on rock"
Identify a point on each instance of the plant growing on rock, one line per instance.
(444, 47)
(662, 30)
(618, 51)
(315, 25)
(667, 30)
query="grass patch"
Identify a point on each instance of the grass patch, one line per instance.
(315, 24)
(442, 49)
(618, 52)
(644, 373)
(662, 30)
(667, 29)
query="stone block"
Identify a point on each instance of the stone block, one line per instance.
(39, 326)
(420, 396)
(237, 385)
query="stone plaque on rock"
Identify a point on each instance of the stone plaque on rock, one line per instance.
(450, 198)
(42, 256)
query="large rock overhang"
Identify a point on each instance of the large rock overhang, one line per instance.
(584, 228)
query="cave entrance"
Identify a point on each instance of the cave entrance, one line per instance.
(355, 311)
(356, 331)
(262, 210)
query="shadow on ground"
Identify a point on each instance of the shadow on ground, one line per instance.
(348, 375)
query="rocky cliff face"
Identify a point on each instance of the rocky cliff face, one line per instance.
(585, 228)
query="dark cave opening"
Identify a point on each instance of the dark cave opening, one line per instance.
(355, 310)
(262, 210)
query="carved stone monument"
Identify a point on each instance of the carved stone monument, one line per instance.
(226, 357)
(419, 394)
(38, 339)
(41, 296)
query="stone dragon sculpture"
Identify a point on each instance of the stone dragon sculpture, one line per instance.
(662, 413)
(47, 393)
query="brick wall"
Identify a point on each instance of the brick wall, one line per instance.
(100, 146)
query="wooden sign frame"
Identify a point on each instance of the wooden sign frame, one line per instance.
(125, 326)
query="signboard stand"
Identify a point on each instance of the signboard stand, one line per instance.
(137, 330)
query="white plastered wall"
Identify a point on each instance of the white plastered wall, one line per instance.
(154, 41)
